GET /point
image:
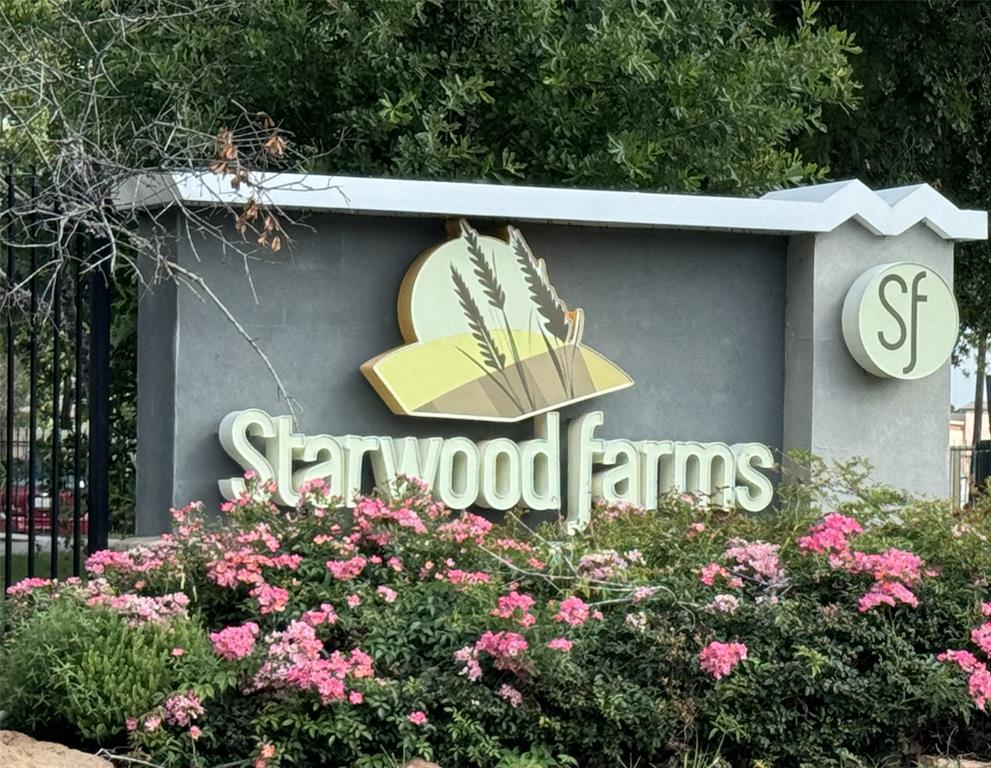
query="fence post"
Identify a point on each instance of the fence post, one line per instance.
(955, 478)
(77, 410)
(8, 484)
(32, 490)
(55, 486)
(99, 398)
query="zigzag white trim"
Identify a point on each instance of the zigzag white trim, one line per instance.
(889, 211)
(819, 208)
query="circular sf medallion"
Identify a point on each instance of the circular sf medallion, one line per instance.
(900, 320)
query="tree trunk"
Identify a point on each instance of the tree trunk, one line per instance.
(982, 353)
(987, 401)
(65, 407)
(980, 384)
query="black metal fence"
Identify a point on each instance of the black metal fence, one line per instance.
(970, 470)
(54, 497)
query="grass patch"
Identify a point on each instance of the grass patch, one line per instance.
(42, 565)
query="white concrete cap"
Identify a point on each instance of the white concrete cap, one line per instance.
(812, 209)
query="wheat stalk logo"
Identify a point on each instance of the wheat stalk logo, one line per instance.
(559, 328)
(497, 300)
(557, 321)
(492, 356)
(489, 301)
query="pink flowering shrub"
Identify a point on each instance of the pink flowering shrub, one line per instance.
(573, 611)
(857, 624)
(233, 643)
(719, 659)
(81, 661)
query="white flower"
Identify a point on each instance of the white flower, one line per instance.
(636, 621)
(724, 603)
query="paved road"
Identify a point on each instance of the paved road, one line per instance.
(43, 543)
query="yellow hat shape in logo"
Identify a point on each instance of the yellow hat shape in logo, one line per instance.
(487, 338)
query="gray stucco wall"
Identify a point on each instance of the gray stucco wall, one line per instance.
(695, 318)
(157, 318)
(834, 407)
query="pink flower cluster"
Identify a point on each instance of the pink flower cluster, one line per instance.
(345, 570)
(979, 678)
(179, 710)
(981, 637)
(370, 513)
(187, 522)
(233, 643)
(26, 586)
(325, 614)
(294, 658)
(894, 571)
(560, 644)
(468, 657)
(388, 594)
(270, 599)
(719, 659)
(468, 527)
(510, 695)
(260, 534)
(515, 605)
(574, 611)
(607, 565)
(462, 578)
(257, 492)
(507, 650)
(138, 610)
(979, 686)
(642, 593)
(182, 708)
(265, 755)
(414, 493)
(694, 530)
(831, 536)
(607, 511)
(891, 565)
(131, 561)
(712, 571)
(315, 497)
(758, 560)
(503, 647)
(886, 593)
(243, 565)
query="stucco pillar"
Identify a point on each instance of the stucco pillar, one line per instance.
(832, 406)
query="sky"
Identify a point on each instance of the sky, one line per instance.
(962, 383)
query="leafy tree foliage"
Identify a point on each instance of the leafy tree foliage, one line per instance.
(658, 94)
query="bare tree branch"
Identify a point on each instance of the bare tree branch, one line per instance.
(56, 88)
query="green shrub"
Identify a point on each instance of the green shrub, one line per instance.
(82, 671)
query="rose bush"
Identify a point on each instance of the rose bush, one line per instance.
(849, 625)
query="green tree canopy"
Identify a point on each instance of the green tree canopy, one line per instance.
(657, 94)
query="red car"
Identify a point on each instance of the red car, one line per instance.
(42, 510)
